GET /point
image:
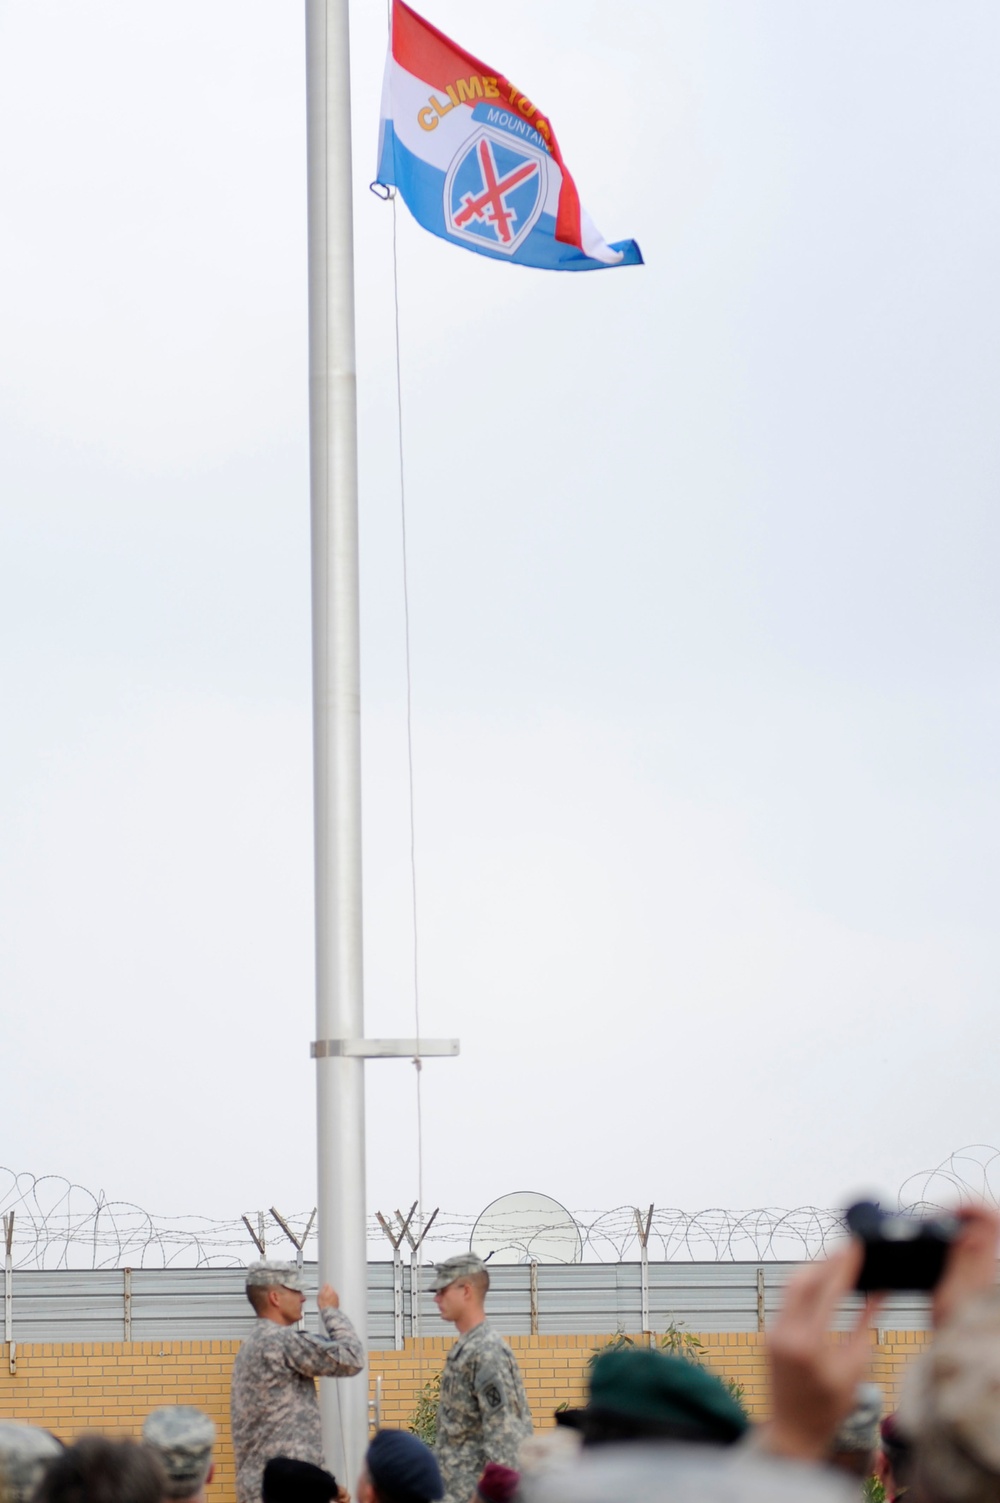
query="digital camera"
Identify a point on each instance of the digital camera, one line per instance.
(901, 1252)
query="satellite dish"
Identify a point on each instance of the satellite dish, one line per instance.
(526, 1228)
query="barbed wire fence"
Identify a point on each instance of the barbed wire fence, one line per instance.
(51, 1223)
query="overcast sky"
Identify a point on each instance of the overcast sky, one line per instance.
(703, 564)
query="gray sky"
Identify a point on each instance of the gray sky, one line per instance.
(704, 621)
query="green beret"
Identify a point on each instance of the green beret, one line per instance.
(645, 1393)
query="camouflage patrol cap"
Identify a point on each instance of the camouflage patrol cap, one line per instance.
(269, 1273)
(25, 1451)
(859, 1431)
(462, 1266)
(182, 1438)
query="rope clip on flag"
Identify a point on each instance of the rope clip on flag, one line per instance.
(476, 162)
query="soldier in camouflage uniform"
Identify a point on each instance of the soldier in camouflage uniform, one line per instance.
(182, 1438)
(483, 1413)
(273, 1402)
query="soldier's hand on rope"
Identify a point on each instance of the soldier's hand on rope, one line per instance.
(328, 1298)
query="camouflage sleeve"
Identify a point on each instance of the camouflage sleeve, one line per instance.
(500, 1409)
(338, 1354)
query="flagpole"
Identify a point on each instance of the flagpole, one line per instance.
(340, 1103)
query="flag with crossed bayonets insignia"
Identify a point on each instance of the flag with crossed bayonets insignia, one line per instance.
(476, 162)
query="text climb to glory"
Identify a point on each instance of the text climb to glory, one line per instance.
(464, 90)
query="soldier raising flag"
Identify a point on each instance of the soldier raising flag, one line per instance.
(273, 1400)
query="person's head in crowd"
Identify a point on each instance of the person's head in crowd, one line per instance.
(25, 1452)
(498, 1484)
(853, 1448)
(399, 1468)
(950, 1408)
(641, 1394)
(96, 1469)
(287, 1480)
(893, 1460)
(275, 1290)
(182, 1438)
(460, 1286)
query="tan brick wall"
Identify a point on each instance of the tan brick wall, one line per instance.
(555, 1368)
(113, 1385)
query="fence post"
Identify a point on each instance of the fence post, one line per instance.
(415, 1244)
(128, 1303)
(414, 1296)
(761, 1301)
(397, 1275)
(397, 1299)
(534, 1297)
(258, 1241)
(299, 1243)
(642, 1227)
(8, 1289)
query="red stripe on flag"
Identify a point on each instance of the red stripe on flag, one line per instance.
(428, 54)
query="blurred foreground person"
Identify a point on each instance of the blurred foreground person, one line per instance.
(643, 1394)
(641, 1472)
(950, 1408)
(273, 1401)
(182, 1438)
(854, 1447)
(399, 1468)
(25, 1452)
(98, 1470)
(654, 1406)
(949, 1411)
(813, 1382)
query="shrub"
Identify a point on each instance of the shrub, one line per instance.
(424, 1419)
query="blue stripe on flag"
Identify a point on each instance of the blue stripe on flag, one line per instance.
(422, 189)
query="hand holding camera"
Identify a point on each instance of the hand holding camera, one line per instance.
(953, 1255)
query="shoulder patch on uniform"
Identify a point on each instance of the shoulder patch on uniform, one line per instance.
(493, 1394)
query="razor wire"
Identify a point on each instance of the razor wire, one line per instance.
(61, 1225)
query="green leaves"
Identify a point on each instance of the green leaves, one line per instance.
(424, 1419)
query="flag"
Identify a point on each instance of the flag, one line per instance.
(476, 162)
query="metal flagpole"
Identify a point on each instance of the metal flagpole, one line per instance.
(340, 1047)
(340, 1102)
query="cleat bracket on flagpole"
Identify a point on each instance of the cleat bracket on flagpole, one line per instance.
(383, 1048)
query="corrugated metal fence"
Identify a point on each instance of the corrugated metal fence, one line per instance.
(178, 1304)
